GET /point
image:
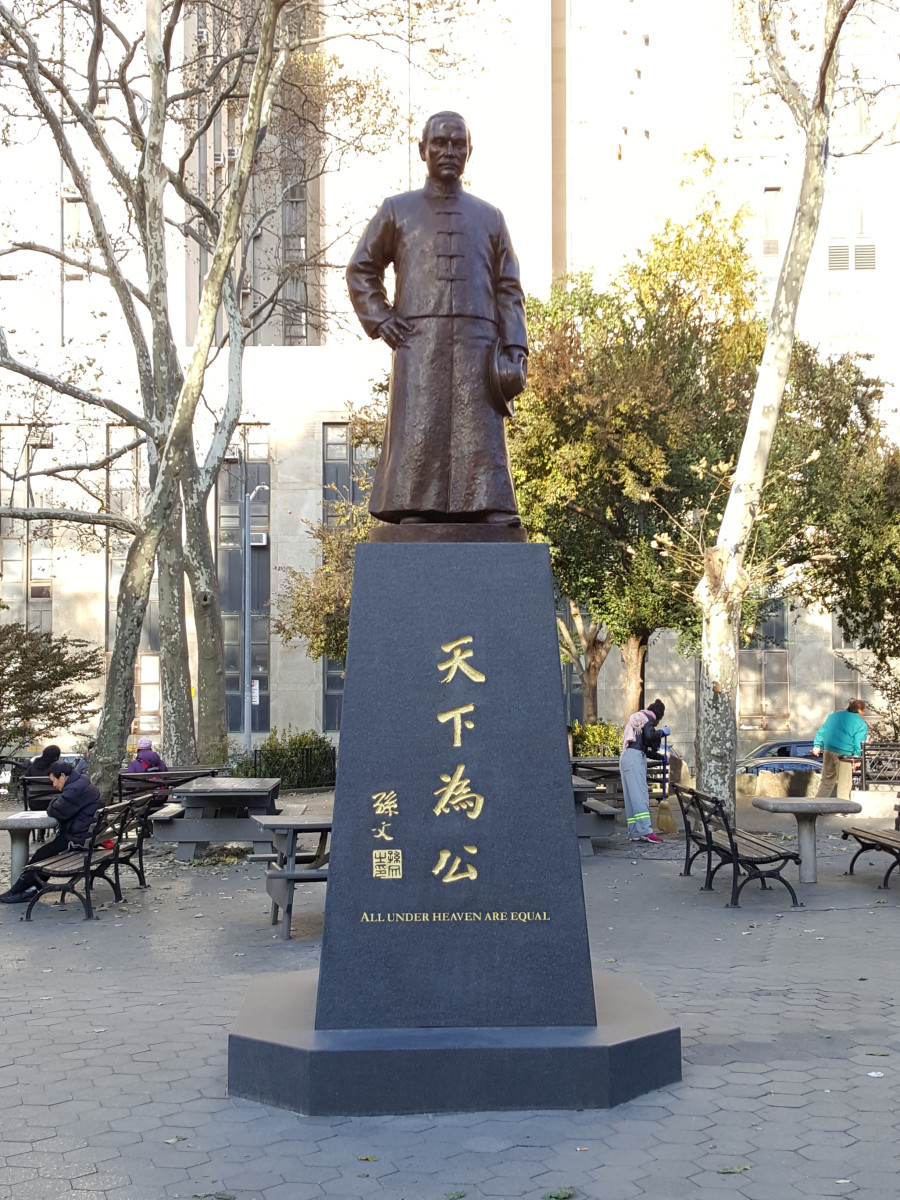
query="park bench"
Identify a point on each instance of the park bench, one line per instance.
(116, 841)
(708, 831)
(884, 840)
(84, 865)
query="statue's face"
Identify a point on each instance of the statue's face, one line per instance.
(446, 150)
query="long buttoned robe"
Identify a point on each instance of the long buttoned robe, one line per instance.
(457, 283)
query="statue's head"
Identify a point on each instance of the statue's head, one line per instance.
(445, 146)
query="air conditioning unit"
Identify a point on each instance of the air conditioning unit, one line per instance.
(202, 37)
(218, 160)
(259, 539)
(246, 287)
(232, 153)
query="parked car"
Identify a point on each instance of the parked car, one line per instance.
(753, 766)
(787, 748)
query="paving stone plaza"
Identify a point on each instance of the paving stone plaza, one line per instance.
(113, 1056)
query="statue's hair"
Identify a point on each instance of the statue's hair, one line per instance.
(439, 116)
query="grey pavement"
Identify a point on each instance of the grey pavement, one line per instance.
(113, 1051)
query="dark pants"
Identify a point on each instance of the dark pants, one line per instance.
(29, 878)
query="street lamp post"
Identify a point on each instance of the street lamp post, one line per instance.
(246, 613)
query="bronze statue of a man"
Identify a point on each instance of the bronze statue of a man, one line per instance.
(457, 330)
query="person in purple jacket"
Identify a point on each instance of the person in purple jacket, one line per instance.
(146, 759)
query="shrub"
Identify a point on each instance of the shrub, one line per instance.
(602, 740)
(299, 760)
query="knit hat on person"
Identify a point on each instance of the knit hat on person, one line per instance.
(144, 744)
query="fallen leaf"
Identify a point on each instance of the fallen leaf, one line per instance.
(733, 1170)
(368, 1158)
(172, 1141)
(876, 1074)
(877, 1054)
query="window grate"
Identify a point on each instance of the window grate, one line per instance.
(839, 258)
(864, 257)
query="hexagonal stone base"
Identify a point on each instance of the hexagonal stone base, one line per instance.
(276, 1056)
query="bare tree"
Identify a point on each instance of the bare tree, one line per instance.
(168, 394)
(812, 101)
(132, 112)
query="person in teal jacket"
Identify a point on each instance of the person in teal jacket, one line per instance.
(843, 733)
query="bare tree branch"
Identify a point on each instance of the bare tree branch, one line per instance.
(31, 75)
(94, 56)
(70, 389)
(787, 87)
(830, 51)
(72, 516)
(81, 265)
(65, 468)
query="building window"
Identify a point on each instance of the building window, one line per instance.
(848, 685)
(246, 470)
(771, 203)
(147, 707)
(763, 672)
(40, 585)
(293, 255)
(838, 258)
(333, 693)
(341, 471)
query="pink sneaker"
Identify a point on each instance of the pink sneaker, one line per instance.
(651, 837)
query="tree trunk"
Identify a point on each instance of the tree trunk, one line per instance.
(212, 727)
(633, 654)
(118, 698)
(720, 592)
(178, 740)
(587, 658)
(720, 596)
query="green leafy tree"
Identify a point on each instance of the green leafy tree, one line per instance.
(628, 390)
(41, 684)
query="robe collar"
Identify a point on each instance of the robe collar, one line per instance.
(442, 190)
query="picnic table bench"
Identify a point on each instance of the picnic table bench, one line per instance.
(594, 818)
(214, 809)
(885, 840)
(290, 865)
(708, 831)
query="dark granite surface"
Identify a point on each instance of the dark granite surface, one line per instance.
(492, 935)
(275, 1056)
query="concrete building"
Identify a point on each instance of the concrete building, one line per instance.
(582, 117)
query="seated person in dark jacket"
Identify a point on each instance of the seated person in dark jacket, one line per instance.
(38, 767)
(74, 808)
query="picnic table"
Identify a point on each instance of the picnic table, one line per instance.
(20, 826)
(292, 866)
(213, 809)
(806, 812)
(131, 782)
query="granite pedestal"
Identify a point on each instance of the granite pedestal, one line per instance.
(455, 969)
(277, 1057)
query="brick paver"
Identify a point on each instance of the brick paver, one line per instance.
(113, 1055)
